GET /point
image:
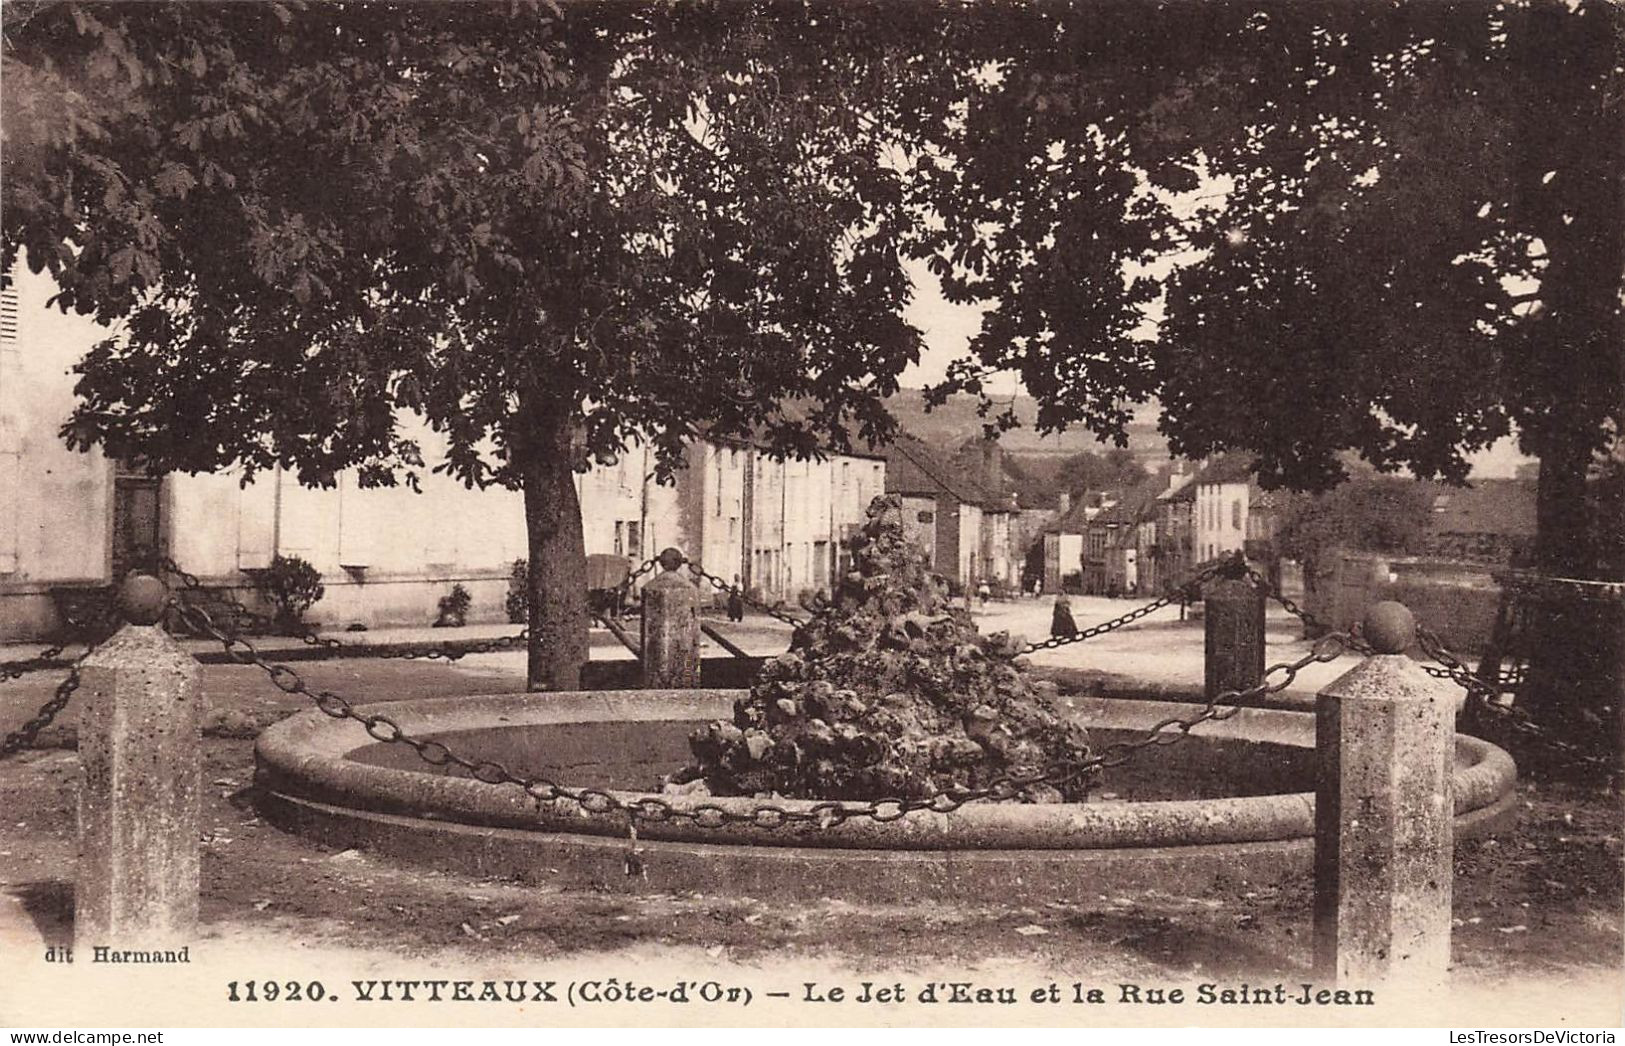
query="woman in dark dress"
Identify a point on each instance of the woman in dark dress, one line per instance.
(1062, 624)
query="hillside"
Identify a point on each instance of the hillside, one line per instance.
(953, 423)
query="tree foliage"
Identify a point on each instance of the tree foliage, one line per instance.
(312, 218)
(1373, 515)
(545, 232)
(1305, 228)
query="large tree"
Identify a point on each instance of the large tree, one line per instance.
(544, 231)
(1310, 229)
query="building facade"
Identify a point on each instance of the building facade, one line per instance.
(966, 531)
(1223, 501)
(71, 522)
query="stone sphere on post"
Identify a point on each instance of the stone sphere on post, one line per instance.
(142, 598)
(1389, 627)
(671, 628)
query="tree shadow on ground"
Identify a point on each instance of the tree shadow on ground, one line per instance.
(1170, 942)
(49, 903)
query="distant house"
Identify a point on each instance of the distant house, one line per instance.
(1492, 521)
(1224, 489)
(1113, 557)
(942, 509)
(1171, 557)
(1063, 539)
(1004, 537)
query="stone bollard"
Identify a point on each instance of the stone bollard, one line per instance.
(1233, 627)
(1384, 815)
(139, 785)
(671, 628)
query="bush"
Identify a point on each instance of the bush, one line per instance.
(292, 586)
(518, 602)
(454, 608)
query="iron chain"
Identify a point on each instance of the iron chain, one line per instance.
(1311, 623)
(1179, 593)
(1485, 696)
(46, 658)
(631, 579)
(722, 586)
(658, 809)
(24, 736)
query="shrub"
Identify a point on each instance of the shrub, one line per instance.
(454, 608)
(518, 602)
(292, 586)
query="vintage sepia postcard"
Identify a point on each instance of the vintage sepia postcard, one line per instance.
(812, 513)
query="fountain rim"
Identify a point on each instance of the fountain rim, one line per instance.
(304, 759)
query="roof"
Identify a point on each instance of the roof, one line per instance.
(1185, 491)
(1226, 468)
(1074, 520)
(1489, 506)
(1133, 504)
(914, 468)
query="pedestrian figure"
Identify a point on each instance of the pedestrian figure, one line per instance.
(1038, 587)
(736, 604)
(983, 592)
(1062, 624)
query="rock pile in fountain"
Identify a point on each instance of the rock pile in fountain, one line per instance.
(889, 692)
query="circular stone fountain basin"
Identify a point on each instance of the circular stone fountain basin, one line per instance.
(1235, 800)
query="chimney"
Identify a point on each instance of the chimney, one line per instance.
(992, 466)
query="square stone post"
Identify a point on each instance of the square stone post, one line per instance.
(1233, 631)
(1384, 815)
(140, 785)
(671, 629)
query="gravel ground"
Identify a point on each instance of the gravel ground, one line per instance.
(1538, 907)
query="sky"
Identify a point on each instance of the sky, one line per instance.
(948, 329)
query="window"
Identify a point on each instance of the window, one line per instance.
(1235, 514)
(927, 517)
(634, 541)
(620, 538)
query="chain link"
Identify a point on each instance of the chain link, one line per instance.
(1312, 625)
(724, 587)
(1486, 696)
(1178, 594)
(46, 658)
(825, 814)
(631, 579)
(24, 736)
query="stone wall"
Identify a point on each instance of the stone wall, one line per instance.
(1456, 600)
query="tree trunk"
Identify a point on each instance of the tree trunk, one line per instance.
(558, 554)
(1562, 545)
(1570, 173)
(1576, 646)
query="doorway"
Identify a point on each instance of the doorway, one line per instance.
(138, 521)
